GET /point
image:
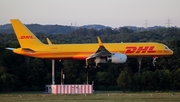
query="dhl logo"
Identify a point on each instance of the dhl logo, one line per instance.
(140, 49)
(26, 37)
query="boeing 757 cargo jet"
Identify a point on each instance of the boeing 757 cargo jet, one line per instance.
(95, 53)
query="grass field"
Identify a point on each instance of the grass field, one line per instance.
(96, 97)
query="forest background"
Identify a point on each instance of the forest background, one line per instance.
(21, 73)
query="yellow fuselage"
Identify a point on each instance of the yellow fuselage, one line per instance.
(82, 51)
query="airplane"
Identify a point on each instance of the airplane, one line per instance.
(92, 53)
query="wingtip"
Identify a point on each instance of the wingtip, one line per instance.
(99, 41)
(49, 42)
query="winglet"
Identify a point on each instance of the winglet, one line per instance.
(49, 42)
(99, 41)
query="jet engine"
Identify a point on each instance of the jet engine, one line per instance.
(114, 58)
(117, 58)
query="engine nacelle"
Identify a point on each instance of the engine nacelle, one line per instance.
(117, 58)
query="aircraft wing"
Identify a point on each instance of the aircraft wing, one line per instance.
(101, 52)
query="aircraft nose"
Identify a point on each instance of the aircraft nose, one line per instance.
(169, 52)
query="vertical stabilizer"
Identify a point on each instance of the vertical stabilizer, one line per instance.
(25, 37)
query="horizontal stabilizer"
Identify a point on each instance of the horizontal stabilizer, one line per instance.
(24, 49)
(28, 49)
(10, 48)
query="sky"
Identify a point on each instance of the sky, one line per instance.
(113, 13)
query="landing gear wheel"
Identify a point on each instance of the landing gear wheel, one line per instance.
(154, 60)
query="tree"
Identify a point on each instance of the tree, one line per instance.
(136, 82)
(92, 32)
(161, 80)
(124, 80)
(126, 30)
(72, 69)
(8, 82)
(176, 79)
(147, 81)
(104, 78)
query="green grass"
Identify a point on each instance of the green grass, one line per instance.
(97, 97)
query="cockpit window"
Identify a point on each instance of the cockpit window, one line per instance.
(166, 48)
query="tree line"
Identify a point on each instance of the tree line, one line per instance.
(21, 73)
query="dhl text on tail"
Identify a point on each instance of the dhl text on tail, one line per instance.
(96, 52)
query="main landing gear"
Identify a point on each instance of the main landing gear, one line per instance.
(154, 60)
(91, 64)
(140, 62)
